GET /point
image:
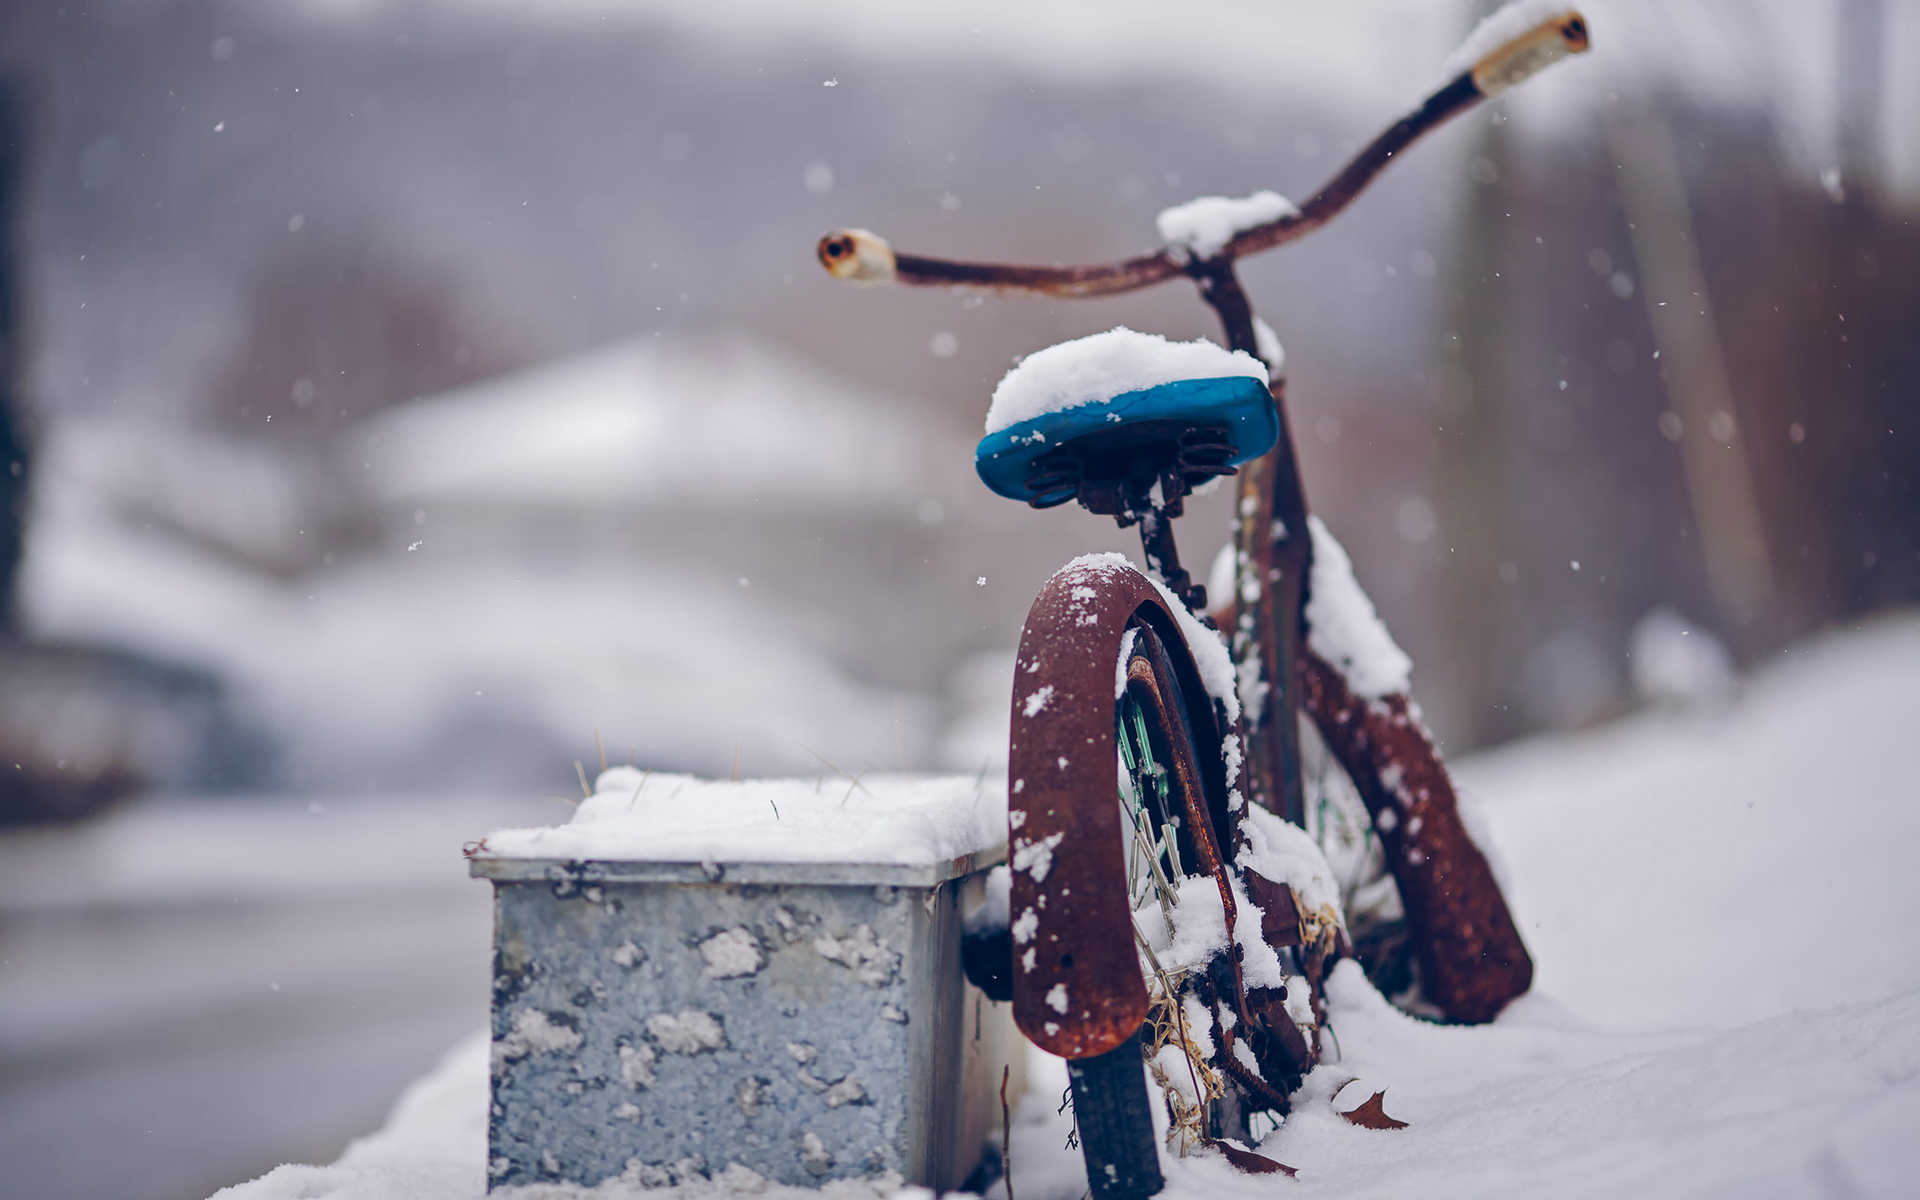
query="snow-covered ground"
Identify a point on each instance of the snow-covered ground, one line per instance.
(1728, 998)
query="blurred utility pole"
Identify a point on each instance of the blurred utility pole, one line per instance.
(1472, 482)
(1713, 452)
(1472, 475)
(1860, 51)
(14, 451)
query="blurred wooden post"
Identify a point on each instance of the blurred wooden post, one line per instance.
(1673, 285)
(1471, 483)
(1860, 50)
(14, 449)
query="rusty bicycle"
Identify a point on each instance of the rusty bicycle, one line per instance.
(1190, 927)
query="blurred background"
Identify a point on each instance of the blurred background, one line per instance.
(402, 401)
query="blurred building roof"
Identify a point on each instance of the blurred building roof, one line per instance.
(726, 423)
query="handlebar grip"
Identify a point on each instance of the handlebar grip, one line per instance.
(1520, 58)
(857, 256)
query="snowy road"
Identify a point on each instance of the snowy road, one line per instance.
(192, 993)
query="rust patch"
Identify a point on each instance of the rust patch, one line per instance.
(1472, 961)
(1077, 986)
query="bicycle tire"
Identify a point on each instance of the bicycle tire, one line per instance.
(1115, 1120)
(1162, 796)
(1218, 1089)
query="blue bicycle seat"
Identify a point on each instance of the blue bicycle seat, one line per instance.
(1193, 427)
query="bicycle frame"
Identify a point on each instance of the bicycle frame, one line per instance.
(1272, 548)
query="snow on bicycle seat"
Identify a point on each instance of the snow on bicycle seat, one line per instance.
(1121, 403)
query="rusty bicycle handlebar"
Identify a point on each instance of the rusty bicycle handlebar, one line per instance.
(861, 257)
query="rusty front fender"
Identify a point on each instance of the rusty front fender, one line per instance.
(1077, 987)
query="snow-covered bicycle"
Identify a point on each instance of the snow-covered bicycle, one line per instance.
(1192, 924)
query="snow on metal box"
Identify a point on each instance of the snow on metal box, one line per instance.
(806, 1021)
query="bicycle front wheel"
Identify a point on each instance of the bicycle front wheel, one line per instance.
(1119, 815)
(1174, 839)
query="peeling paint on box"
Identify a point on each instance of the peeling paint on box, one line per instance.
(804, 1028)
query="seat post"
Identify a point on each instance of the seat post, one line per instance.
(1163, 559)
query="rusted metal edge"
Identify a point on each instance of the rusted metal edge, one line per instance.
(1472, 959)
(1077, 985)
(588, 872)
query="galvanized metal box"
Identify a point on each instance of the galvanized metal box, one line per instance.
(805, 1021)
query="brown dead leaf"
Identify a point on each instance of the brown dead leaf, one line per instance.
(1251, 1163)
(1373, 1115)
